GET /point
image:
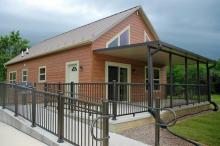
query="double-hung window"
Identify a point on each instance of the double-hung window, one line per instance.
(24, 75)
(42, 74)
(156, 79)
(12, 76)
(121, 39)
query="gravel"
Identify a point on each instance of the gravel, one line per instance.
(146, 133)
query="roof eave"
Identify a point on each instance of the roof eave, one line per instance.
(184, 51)
(147, 21)
(52, 52)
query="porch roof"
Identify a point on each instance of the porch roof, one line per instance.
(139, 52)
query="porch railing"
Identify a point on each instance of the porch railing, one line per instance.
(68, 118)
(131, 98)
(78, 112)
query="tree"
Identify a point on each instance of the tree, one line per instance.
(10, 46)
(215, 74)
(216, 70)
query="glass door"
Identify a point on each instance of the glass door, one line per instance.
(120, 75)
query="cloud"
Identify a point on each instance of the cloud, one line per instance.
(189, 24)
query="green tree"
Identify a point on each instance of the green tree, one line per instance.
(179, 74)
(10, 46)
(216, 70)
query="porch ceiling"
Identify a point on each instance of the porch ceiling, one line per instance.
(139, 52)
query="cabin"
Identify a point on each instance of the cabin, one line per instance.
(123, 50)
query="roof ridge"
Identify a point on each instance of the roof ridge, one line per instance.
(87, 24)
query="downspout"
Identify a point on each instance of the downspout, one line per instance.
(216, 108)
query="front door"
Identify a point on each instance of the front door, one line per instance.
(72, 72)
(120, 75)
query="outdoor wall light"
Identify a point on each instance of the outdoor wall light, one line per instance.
(133, 70)
(81, 67)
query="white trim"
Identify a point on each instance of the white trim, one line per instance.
(42, 81)
(14, 71)
(156, 68)
(118, 36)
(146, 36)
(66, 70)
(23, 75)
(116, 64)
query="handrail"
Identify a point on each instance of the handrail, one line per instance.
(93, 125)
(172, 122)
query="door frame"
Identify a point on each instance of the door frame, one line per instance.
(66, 70)
(116, 64)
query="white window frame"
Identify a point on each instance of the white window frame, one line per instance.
(11, 72)
(154, 68)
(118, 36)
(146, 36)
(42, 81)
(116, 64)
(23, 75)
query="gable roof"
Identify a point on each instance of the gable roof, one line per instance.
(80, 36)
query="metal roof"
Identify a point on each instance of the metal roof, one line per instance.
(139, 52)
(79, 36)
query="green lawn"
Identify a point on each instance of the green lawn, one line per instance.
(203, 128)
(216, 98)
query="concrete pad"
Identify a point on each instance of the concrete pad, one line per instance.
(119, 140)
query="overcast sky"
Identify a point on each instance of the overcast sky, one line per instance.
(190, 24)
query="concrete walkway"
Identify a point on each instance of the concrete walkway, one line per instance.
(9, 136)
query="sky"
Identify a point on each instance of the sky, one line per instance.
(190, 24)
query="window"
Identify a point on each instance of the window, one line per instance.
(12, 77)
(24, 75)
(123, 38)
(146, 37)
(42, 74)
(113, 43)
(156, 78)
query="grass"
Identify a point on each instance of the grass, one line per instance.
(216, 98)
(204, 128)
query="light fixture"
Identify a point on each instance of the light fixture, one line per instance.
(27, 51)
(133, 70)
(22, 54)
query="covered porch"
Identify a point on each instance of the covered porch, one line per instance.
(193, 86)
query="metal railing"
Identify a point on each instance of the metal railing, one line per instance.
(68, 118)
(130, 98)
(79, 112)
(173, 95)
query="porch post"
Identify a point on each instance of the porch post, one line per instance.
(114, 103)
(198, 81)
(150, 78)
(186, 81)
(171, 79)
(208, 82)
